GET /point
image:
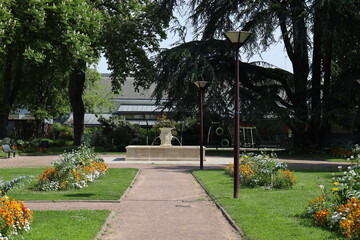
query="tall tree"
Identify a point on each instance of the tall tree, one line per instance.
(47, 36)
(131, 30)
(308, 31)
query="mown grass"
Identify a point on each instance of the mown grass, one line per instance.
(59, 150)
(108, 187)
(271, 214)
(281, 154)
(65, 225)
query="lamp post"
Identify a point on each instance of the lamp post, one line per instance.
(237, 39)
(201, 85)
(358, 127)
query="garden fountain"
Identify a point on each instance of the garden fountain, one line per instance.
(165, 152)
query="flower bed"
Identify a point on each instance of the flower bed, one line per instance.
(339, 208)
(345, 151)
(14, 217)
(262, 171)
(72, 170)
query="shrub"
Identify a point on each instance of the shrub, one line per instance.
(63, 132)
(339, 208)
(262, 171)
(118, 133)
(72, 170)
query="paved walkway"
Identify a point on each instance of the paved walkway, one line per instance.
(167, 203)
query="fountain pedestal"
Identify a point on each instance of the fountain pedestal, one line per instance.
(163, 153)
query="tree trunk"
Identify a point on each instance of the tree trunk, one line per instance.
(4, 116)
(76, 88)
(11, 82)
(326, 128)
(315, 121)
(301, 71)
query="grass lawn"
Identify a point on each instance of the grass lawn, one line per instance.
(65, 225)
(270, 214)
(60, 150)
(108, 187)
(281, 154)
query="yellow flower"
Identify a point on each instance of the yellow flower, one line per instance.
(335, 189)
(336, 183)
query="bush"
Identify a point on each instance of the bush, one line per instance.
(72, 170)
(118, 133)
(339, 208)
(63, 132)
(262, 171)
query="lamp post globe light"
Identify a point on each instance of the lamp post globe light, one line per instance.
(201, 85)
(237, 39)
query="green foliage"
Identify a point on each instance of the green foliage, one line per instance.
(72, 170)
(319, 91)
(146, 135)
(46, 38)
(8, 185)
(97, 96)
(338, 208)
(63, 132)
(131, 31)
(164, 122)
(260, 170)
(118, 133)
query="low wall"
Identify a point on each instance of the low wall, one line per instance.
(162, 153)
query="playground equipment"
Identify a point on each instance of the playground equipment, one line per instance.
(247, 135)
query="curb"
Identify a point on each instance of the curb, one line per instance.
(112, 213)
(72, 201)
(130, 186)
(225, 214)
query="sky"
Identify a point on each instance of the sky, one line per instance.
(275, 54)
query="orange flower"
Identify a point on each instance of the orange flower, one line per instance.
(48, 174)
(321, 216)
(15, 216)
(351, 221)
(288, 175)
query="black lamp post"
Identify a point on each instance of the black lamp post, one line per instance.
(201, 85)
(237, 39)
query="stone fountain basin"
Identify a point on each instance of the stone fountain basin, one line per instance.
(163, 153)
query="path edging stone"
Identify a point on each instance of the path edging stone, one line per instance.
(225, 214)
(112, 213)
